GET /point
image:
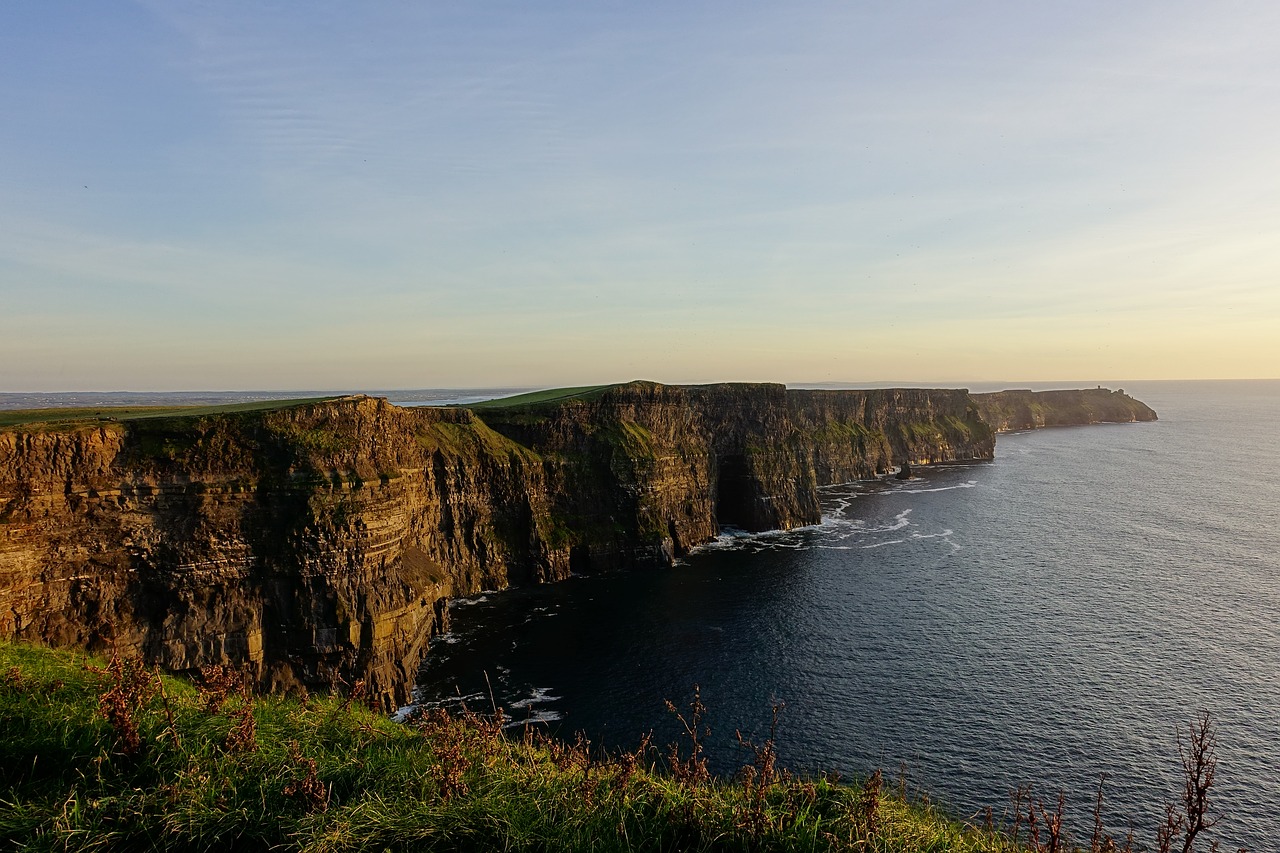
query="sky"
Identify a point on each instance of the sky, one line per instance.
(324, 195)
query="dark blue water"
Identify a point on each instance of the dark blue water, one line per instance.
(1041, 619)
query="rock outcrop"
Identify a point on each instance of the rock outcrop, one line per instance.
(317, 544)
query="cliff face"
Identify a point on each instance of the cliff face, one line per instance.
(318, 544)
(1018, 410)
(307, 545)
(643, 472)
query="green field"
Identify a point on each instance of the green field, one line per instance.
(22, 417)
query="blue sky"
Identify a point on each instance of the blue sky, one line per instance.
(200, 195)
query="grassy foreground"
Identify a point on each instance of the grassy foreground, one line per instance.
(110, 755)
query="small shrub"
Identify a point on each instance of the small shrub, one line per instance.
(690, 771)
(759, 776)
(305, 786)
(131, 686)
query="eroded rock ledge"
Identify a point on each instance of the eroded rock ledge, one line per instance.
(318, 544)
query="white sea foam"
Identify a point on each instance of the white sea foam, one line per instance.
(899, 521)
(841, 505)
(945, 536)
(858, 487)
(969, 485)
(542, 715)
(418, 704)
(832, 529)
(474, 701)
(883, 544)
(733, 538)
(534, 714)
(830, 534)
(538, 696)
(795, 539)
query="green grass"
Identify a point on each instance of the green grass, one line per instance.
(76, 416)
(470, 439)
(327, 775)
(551, 395)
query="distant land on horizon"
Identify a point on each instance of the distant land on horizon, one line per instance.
(421, 396)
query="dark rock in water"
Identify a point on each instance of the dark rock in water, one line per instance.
(904, 473)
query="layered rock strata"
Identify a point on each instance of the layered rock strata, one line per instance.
(317, 545)
(312, 546)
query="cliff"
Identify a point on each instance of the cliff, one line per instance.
(1022, 409)
(643, 472)
(309, 545)
(317, 544)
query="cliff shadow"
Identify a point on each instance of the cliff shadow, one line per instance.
(735, 497)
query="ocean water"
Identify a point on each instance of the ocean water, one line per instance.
(1045, 618)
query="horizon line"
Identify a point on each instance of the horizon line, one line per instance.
(348, 390)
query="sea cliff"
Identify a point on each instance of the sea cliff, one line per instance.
(317, 544)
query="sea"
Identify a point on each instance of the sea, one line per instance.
(1054, 619)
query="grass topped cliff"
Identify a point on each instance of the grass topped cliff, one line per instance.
(91, 414)
(107, 755)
